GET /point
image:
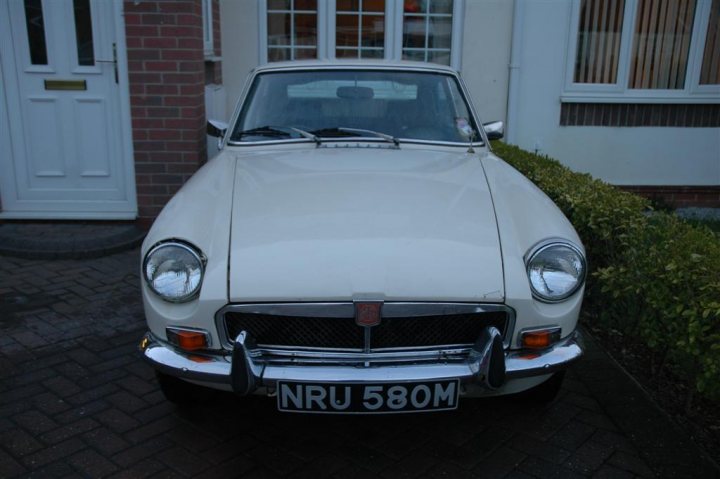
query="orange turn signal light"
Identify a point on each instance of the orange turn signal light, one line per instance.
(539, 339)
(187, 339)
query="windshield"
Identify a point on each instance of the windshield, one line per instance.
(342, 103)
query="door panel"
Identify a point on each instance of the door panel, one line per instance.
(68, 158)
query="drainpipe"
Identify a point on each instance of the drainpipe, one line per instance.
(514, 81)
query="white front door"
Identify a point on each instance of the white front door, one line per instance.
(70, 154)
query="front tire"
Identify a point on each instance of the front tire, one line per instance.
(182, 392)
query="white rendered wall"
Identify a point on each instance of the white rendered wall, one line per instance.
(240, 48)
(487, 33)
(624, 156)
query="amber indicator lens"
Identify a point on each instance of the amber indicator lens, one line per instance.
(540, 339)
(186, 339)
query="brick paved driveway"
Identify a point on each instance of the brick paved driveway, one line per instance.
(76, 400)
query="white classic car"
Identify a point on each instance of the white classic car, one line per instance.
(356, 247)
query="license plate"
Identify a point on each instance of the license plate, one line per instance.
(367, 398)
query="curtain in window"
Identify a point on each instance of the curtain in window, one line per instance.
(661, 44)
(710, 73)
(599, 35)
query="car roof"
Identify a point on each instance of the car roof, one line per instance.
(351, 64)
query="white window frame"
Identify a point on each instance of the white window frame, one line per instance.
(619, 92)
(393, 31)
(207, 19)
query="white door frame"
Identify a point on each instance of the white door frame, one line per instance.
(124, 135)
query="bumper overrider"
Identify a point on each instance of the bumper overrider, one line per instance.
(241, 370)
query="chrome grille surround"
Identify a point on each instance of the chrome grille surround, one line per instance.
(348, 348)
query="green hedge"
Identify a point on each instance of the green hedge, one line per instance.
(654, 277)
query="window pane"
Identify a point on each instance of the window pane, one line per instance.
(347, 5)
(710, 73)
(661, 44)
(440, 35)
(427, 30)
(310, 5)
(305, 29)
(279, 29)
(36, 32)
(83, 33)
(414, 55)
(598, 41)
(278, 5)
(304, 54)
(373, 31)
(346, 31)
(355, 29)
(439, 57)
(372, 53)
(292, 25)
(278, 54)
(441, 6)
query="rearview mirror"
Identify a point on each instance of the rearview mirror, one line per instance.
(494, 130)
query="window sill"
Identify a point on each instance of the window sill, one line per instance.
(705, 98)
(212, 58)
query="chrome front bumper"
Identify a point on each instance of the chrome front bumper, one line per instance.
(487, 364)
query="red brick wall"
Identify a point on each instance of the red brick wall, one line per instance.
(167, 78)
(680, 196)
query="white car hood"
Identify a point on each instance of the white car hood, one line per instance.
(331, 224)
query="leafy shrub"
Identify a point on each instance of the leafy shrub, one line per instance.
(656, 277)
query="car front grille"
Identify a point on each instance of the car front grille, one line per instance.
(343, 334)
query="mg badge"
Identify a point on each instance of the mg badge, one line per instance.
(368, 313)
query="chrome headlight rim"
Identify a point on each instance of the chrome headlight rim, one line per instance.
(190, 248)
(543, 246)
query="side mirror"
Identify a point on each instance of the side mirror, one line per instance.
(494, 130)
(217, 129)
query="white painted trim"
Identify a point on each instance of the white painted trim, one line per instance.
(458, 21)
(207, 19)
(651, 97)
(262, 32)
(513, 103)
(325, 36)
(35, 215)
(124, 97)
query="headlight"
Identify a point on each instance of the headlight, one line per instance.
(556, 270)
(174, 271)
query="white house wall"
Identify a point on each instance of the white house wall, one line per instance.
(487, 32)
(485, 50)
(240, 46)
(625, 156)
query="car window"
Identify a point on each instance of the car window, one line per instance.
(406, 105)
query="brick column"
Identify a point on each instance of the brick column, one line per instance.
(167, 78)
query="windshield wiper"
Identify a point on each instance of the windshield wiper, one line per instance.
(357, 132)
(277, 131)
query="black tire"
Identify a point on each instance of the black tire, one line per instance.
(182, 392)
(545, 392)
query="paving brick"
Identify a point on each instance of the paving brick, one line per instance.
(183, 461)
(34, 422)
(117, 420)
(540, 468)
(278, 461)
(499, 463)
(65, 432)
(92, 464)
(53, 453)
(412, 465)
(589, 457)
(105, 441)
(140, 452)
(236, 467)
(19, 443)
(9, 467)
(533, 447)
(630, 463)
(610, 472)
